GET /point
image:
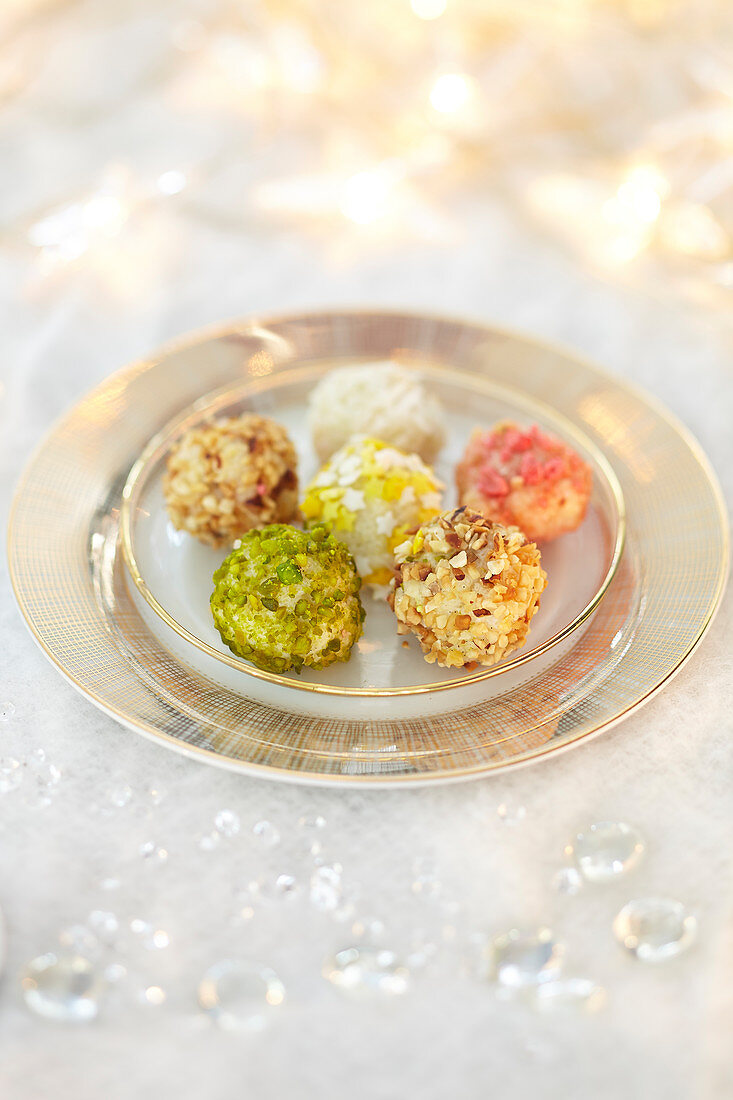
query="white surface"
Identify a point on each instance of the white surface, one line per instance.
(664, 1034)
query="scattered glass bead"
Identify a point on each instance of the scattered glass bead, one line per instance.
(152, 852)
(141, 927)
(157, 794)
(426, 882)
(605, 850)
(64, 988)
(655, 929)
(114, 973)
(227, 823)
(511, 815)
(160, 939)
(37, 796)
(242, 916)
(7, 711)
(370, 928)
(240, 996)
(567, 881)
(281, 886)
(209, 841)
(38, 756)
(422, 949)
(11, 774)
(79, 939)
(365, 971)
(153, 995)
(266, 833)
(522, 959)
(569, 995)
(310, 845)
(315, 821)
(325, 888)
(120, 796)
(104, 924)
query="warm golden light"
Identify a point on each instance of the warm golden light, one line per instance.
(428, 9)
(451, 92)
(366, 197)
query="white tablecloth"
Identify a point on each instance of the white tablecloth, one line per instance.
(664, 1032)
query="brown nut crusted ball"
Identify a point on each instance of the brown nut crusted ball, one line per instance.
(467, 587)
(229, 476)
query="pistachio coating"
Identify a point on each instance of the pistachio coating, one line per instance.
(285, 598)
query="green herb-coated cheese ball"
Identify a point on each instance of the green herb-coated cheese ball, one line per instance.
(286, 598)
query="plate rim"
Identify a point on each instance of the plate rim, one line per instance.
(246, 326)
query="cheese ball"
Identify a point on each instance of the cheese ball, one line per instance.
(467, 588)
(287, 599)
(525, 477)
(370, 495)
(381, 400)
(229, 476)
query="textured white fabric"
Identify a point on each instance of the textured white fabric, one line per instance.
(664, 1034)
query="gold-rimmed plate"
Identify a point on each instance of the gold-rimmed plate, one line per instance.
(172, 571)
(640, 616)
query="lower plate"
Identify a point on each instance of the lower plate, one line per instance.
(73, 588)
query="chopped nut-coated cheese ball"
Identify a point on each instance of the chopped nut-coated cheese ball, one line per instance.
(229, 476)
(468, 588)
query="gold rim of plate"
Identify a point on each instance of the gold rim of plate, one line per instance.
(70, 581)
(210, 405)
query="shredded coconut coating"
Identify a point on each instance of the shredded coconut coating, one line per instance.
(381, 400)
(287, 599)
(370, 495)
(523, 476)
(229, 476)
(467, 587)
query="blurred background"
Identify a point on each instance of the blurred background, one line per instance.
(180, 161)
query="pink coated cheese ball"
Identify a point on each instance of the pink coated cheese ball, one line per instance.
(525, 478)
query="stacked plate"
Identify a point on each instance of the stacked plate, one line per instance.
(119, 600)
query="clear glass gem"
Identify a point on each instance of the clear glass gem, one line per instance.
(281, 886)
(38, 756)
(80, 940)
(567, 881)
(422, 949)
(157, 794)
(511, 815)
(240, 996)
(605, 850)
(62, 987)
(426, 883)
(569, 995)
(104, 924)
(370, 928)
(7, 711)
(115, 972)
(266, 833)
(152, 852)
(655, 929)
(523, 959)
(311, 821)
(325, 888)
(366, 971)
(11, 774)
(153, 995)
(120, 796)
(227, 823)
